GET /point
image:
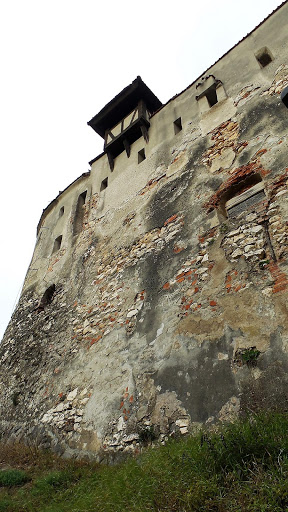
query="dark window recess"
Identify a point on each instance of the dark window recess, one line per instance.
(211, 96)
(284, 96)
(61, 211)
(79, 214)
(177, 125)
(46, 298)
(104, 184)
(141, 156)
(57, 244)
(264, 57)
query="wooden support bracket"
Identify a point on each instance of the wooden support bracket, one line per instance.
(127, 147)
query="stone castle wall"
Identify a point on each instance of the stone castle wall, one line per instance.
(160, 302)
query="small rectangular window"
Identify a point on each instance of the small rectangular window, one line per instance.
(141, 156)
(177, 125)
(104, 184)
(211, 96)
(264, 57)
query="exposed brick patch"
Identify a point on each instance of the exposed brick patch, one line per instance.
(279, 184)
(280, 81)
(248, 90)
(280, 278)
(224, 136)
(234, 282)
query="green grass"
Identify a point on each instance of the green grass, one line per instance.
(240, 467)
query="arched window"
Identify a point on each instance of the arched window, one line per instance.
(47, 298)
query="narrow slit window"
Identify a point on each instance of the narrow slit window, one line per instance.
(61, 211)
(104, 184)
(177, 125)
(141, 155)
(57, 244)
(79, 214)
(264, 57)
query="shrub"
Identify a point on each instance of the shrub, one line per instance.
(13, 477)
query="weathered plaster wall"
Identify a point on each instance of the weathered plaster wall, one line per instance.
(166, 314)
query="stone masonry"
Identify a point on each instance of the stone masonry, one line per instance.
(156, 299)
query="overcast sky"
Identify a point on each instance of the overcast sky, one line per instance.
(61, 62)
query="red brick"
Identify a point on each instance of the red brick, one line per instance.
(261, 152)
(177, 249)
(171, 219)
(279, 287)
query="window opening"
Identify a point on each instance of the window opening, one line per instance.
(211, 91)
(243, 195)
(61, 211)
(47, 298)
(57, 244)
(141, 156)
(104, 184)
(264, 57)
(211, 96)
(284, 96)
(79, 214)
(177, 125)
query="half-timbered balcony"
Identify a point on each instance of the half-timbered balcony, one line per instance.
(129, 129)
(125, 119)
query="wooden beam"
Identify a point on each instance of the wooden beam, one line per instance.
(127, 147)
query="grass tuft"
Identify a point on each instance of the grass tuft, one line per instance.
(13, 477)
